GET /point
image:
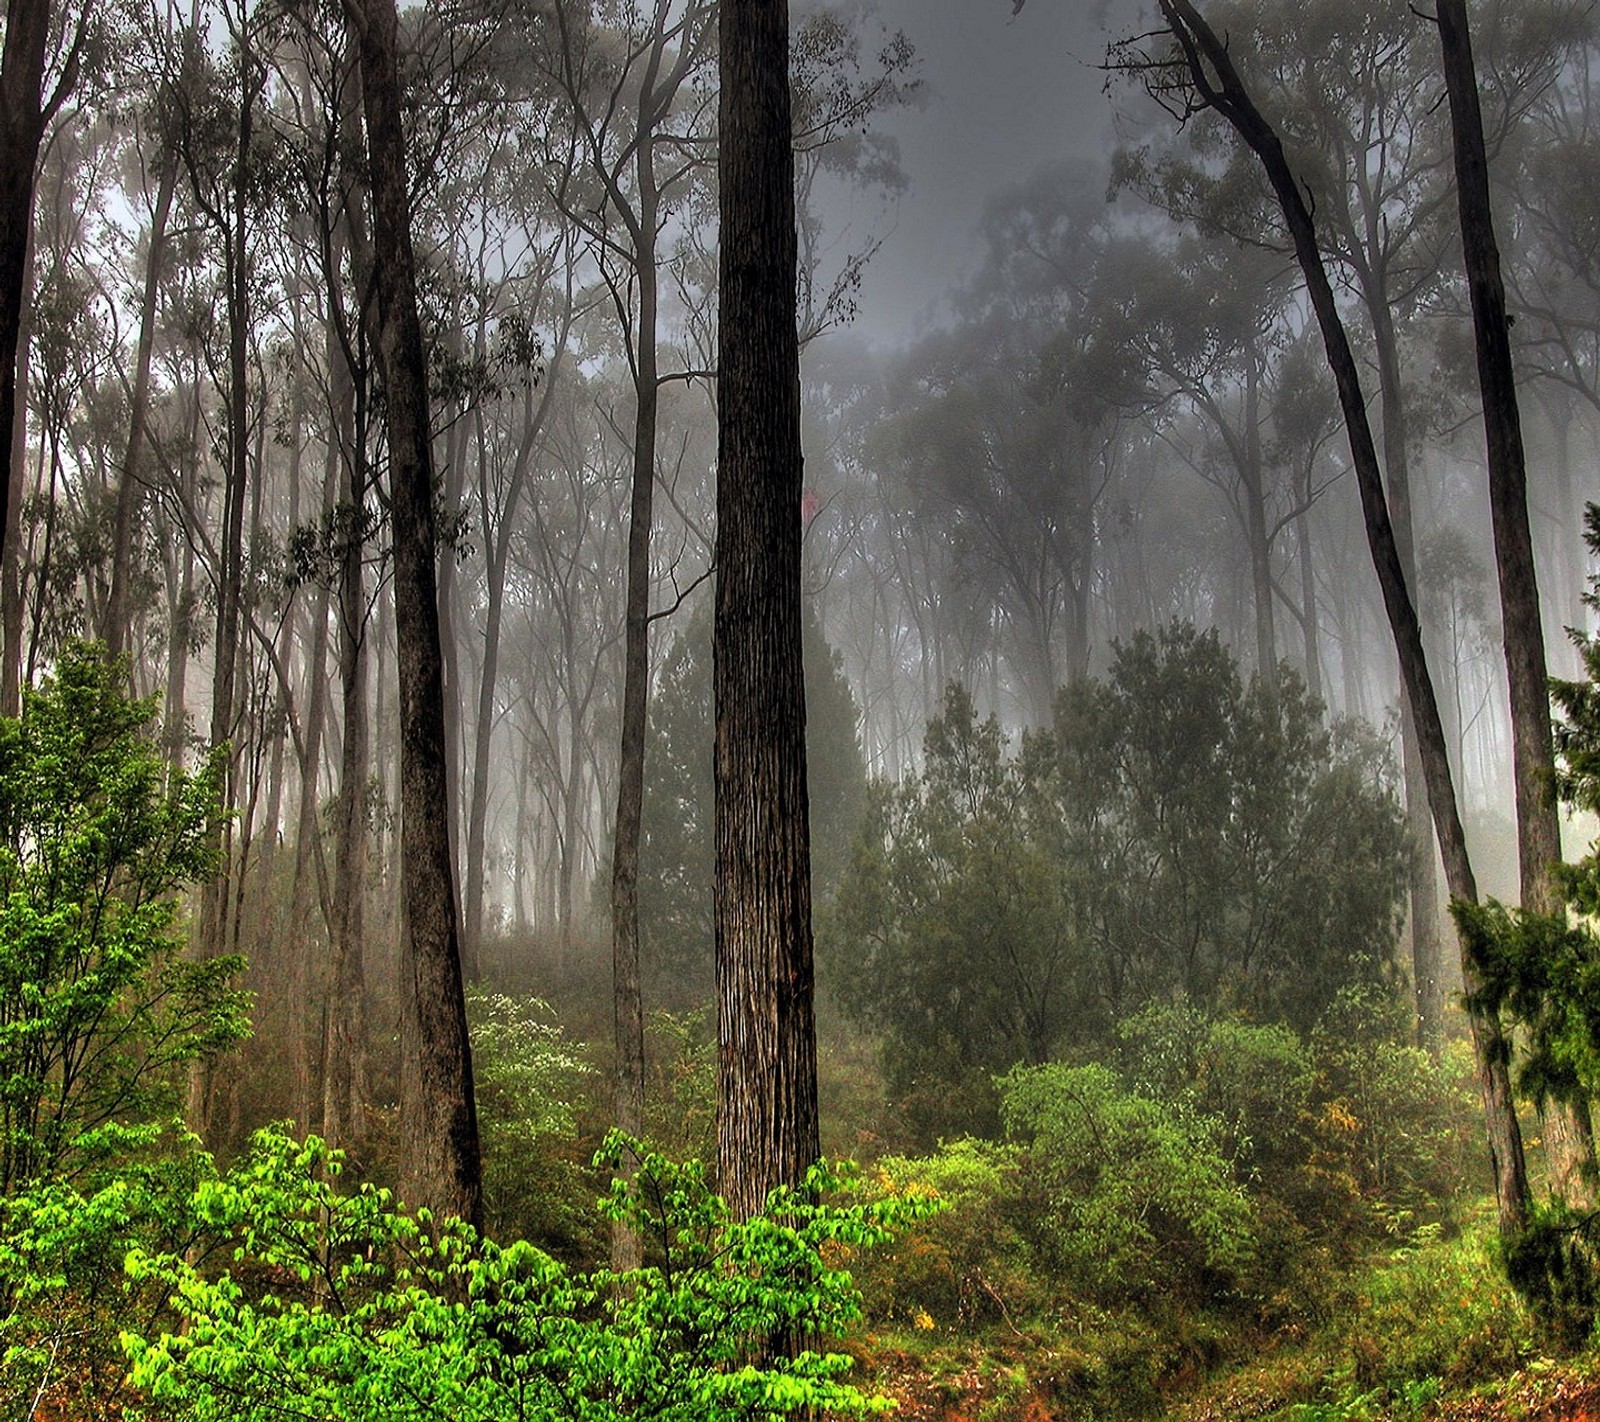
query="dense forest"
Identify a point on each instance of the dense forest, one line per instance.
(588, 832)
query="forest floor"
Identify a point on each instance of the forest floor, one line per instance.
(1545, 1390)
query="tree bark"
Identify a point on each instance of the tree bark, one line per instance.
(12, 609)
(442, 1169)
(767, 1129)
(1218, 84)
(1569, 1141)
(24, 112)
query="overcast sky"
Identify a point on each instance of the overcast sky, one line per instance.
(1005, 95)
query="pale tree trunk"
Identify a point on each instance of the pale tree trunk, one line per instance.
(1569, 1140)
(115, 630)
(441, 1164)
(230, 566)
(1218, 84)
(1427, 968)
(767, 1128)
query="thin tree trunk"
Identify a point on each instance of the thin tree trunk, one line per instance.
(115, 629)
(1569, 1140)
(767, 1128)
(344, 1041)
(442, 1168)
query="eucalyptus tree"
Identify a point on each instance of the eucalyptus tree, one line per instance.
(32, 91)
(636, 82)
(767, 1122)
(441, 1161)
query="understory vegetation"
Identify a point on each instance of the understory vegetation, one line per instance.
(1201, 1207)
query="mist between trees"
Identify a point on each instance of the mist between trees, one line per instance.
(1117, 789)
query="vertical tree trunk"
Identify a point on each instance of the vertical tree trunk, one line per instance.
(114, 631)
(344, 1041)
(11, 600)
(23, 115)
(627, 988)
(767, 1130)
(439, 1121)
(1569, 1142)
(1427, 967)
(1218, 83)
(215, 895)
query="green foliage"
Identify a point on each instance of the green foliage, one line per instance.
(1134, 1197)
(1243, 855)
(357, 1311)
(676, 852)
(98, 1009)
(530, 1080)
(1177, 835)
(969, 1264)
(100, 1013)
(63, 1293)
(1542, 972)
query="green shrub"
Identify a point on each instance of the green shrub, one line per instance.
(99, 1009)
(968, 1265)
(366, 1313)
(530, 1080)
(1133, 1197)
(101, 1017)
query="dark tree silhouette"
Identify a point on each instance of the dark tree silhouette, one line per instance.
(767, 1132)
(1568, 1134)
(1202, 74)
(439, 1122)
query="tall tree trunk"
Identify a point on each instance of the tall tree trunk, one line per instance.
(12, 608)
(1219, 85)
(1427, 967)
(215, 895)
(1256, 531)
(767, 1129)
(115, 630)
(344, 1041)
(626, 982)
(1569, 1140)
(439, 1121)
(24, 112)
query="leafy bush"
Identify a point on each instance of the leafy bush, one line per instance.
(98, 1008)
(366, 1313)
(100, 1016)
(66, 1294)
(530, 1080)
(1133, 1196)
(1398, 1131)
(969, 1264)
(1176, 833)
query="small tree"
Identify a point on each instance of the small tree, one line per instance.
(101, 1013)
(99, 1009)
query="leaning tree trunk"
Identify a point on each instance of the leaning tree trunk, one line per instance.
(767, 1132)
(1569, 1140)
(1219, 85)
(439, 1123)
